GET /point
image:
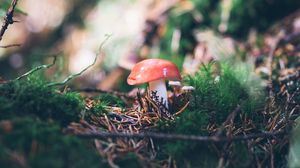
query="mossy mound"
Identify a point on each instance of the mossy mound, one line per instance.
(217, 94)
(31, 97)
(32, 119)
(35, 143)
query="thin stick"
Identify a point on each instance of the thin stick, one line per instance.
(97, 135)
(229, 119)
(70, 77)
(8, 19)
(46, 66)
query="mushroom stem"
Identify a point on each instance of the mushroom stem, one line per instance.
(160, 87)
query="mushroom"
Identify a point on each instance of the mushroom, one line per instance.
(176, 86)
(187, 88)
(155, 72)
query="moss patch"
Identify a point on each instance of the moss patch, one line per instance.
(219, 90)
(30, 97)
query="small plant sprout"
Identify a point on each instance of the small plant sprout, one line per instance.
(154, 72)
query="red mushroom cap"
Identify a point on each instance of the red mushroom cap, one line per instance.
(153, 69)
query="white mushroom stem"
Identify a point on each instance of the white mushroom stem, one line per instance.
(160, 87)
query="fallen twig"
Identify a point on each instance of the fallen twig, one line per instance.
(70, 77)
(46, 66)
(265, 135)
(229, 120)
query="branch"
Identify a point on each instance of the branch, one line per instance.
(229, 120)
(70, 77)
(264, 135)
(8, 19)
(46, 66)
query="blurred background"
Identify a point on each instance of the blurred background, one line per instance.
(188, 32)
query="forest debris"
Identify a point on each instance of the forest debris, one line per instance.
(133, 121)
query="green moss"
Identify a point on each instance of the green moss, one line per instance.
(98, 108)
(42, 144)
(111, 100)
(213, 99)
(101, 103)
(129, 160)
(38, 114)
(31, 97)
(218, 92)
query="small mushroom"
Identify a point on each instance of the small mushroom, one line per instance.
(187, 88)
(175, 83)
(176, 86)
(155, 72)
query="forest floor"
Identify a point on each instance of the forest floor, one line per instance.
(242, 112)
